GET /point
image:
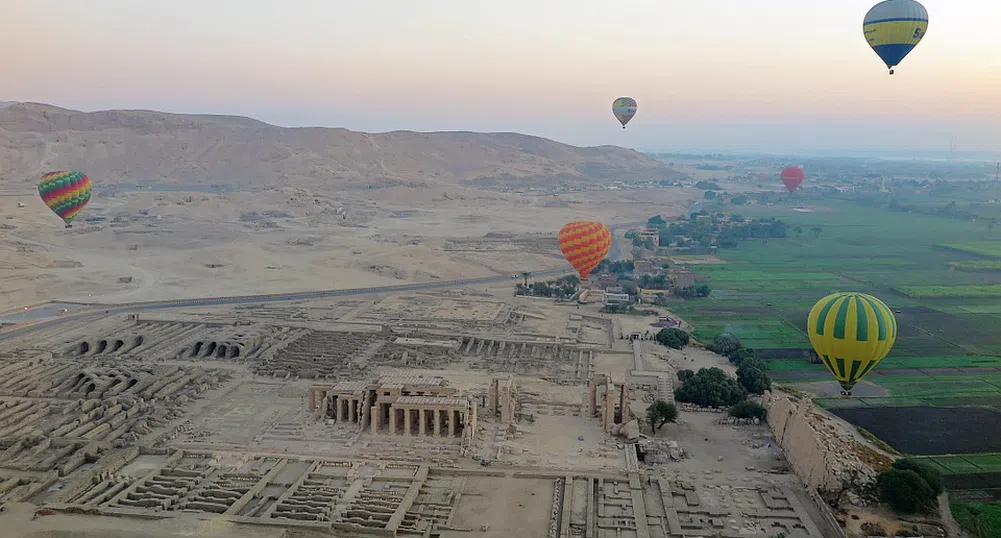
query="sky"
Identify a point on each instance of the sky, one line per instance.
(761, 75)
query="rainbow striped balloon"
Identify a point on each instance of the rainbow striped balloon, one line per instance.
(584, 244)
(66, 193)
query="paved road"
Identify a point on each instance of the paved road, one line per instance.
(97, 310)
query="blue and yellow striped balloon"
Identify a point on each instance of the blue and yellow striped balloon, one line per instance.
(893, 28)
(851, 333)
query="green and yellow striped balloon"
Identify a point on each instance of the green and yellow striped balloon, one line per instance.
(851, 333)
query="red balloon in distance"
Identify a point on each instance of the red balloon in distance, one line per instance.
(792, 177)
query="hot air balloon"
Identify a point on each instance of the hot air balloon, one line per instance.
(893, 28)
(792, 177)
(66, 193)
(851, 333)
(584, 245)
(624, 109)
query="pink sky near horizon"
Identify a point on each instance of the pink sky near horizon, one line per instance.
(731, 72)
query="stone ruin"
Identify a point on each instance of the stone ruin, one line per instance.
(609, 402)
(323, 355)
(407, 404)
(826, 458)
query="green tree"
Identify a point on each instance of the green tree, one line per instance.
(724, 344)
(710, 387)
(741, 354)
(816, 231)
(752, 374)
(661, 413)
(683, 375)
(673, 338)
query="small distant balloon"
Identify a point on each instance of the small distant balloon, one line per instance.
(584, 244)
(893, 28)
(792, 177)
(624, 109)
(65, 193)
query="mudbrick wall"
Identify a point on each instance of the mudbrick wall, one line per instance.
(825, 456)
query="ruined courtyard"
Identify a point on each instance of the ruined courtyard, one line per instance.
(445, 414)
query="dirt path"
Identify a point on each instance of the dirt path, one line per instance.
(951, 527)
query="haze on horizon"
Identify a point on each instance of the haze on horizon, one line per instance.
(782, 75)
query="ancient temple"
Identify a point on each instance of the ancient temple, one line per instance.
(397, 404)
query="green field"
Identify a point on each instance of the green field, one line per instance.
(982, 518)
(978, 463)
(948, 350)
(990, 249)
(951, 291)
(978, 265)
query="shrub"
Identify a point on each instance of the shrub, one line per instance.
(930, 475)
(683, 375)
(748, 409)
(905, 491)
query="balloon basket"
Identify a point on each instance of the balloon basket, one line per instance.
(68, 226)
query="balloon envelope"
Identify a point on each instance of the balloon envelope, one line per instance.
(893, 28)
(851, 332)
(584, 244)
(624, 109)
(792, 177)
(66, 193)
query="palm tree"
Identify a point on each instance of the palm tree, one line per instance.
(816, 231)
(525, 275)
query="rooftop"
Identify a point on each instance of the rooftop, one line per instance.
(432, 401)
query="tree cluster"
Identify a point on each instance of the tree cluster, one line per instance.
(910, 486)
(728, 231)
(752, 372)
(622, 269)
(561, 288)
(701, 290)
(710, 387)
(673, 338)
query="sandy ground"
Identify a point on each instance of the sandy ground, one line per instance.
(155, 246)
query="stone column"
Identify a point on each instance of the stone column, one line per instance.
(437, 422)
(352, 409)
(376, 418)
(312, 399)
(422, 421)
(472, 420)
(406, 421)
(392, 420)
(451, 422)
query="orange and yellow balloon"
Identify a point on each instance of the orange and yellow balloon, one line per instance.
(66, 193)
(584, 244)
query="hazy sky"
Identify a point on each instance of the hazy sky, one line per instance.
(708, 74)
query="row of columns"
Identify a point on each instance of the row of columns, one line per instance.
(451, 418)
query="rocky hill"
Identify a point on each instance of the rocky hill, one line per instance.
(139, 146)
